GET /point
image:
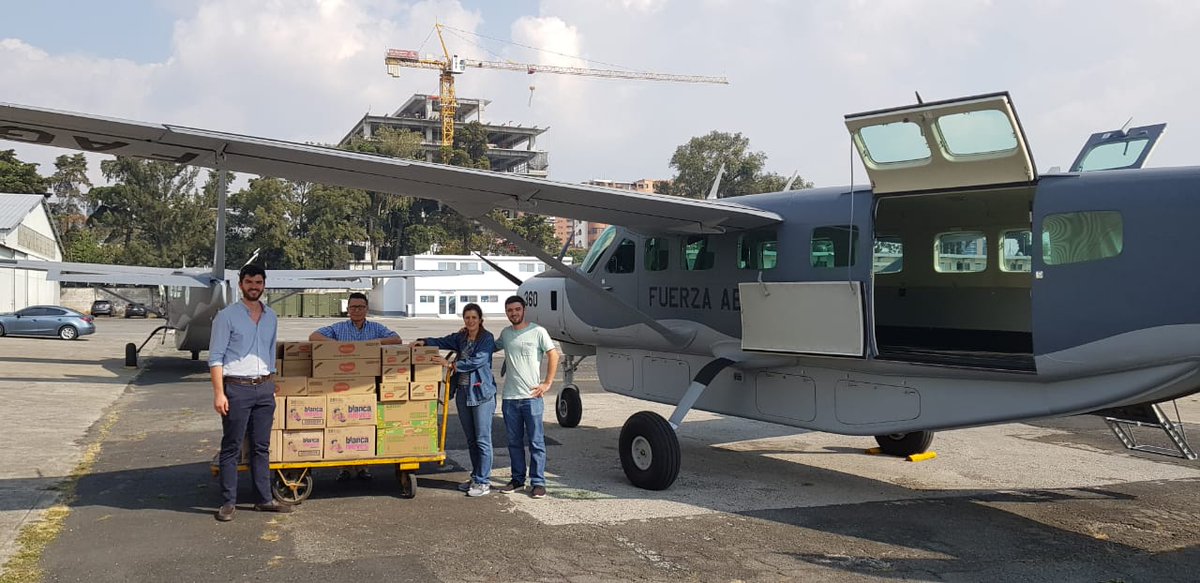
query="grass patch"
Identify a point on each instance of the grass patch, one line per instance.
(25, 565)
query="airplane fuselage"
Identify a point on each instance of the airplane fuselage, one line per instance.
(959, 307)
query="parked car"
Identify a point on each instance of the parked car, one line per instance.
(102, 308)
(136, 309)
(46, 321)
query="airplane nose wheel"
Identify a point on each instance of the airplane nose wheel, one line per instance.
(905, 444)
(649, 451)
(569, 408)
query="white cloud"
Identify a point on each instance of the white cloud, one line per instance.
(308, 69)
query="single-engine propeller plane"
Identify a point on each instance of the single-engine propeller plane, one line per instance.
(961, 288)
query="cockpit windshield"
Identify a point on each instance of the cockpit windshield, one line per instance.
(598, 248)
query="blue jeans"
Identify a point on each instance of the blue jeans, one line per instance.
(477, 426)
(251, 407)
(523, 425)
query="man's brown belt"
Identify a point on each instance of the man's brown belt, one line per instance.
(247, 380)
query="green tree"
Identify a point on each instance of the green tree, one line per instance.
(471, 146)
(67, 183)
(332, 221)
(17, 177)
(84, 245)
(264, 216)
(156, 213)
(698, 161)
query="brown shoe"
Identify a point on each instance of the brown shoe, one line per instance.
(274, 507)
(225, 513)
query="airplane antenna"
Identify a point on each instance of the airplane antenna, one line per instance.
(919, 100)
(712, 194)
(252, 257)
(788, 186)
(1125, 127)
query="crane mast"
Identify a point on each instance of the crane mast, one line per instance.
(452, 65)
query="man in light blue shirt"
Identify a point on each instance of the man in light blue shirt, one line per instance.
(357, 328)
(241, 360)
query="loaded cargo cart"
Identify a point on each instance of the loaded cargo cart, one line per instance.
(395, 418)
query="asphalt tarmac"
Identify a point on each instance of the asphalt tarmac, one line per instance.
(1047, 501)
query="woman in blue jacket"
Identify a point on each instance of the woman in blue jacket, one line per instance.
(474, 390)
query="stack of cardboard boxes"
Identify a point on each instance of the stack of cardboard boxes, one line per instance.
(355, 400)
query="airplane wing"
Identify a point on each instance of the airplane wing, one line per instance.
(114, 274)
(342, 278)
(471, 192)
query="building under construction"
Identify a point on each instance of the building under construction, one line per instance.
(511, 148)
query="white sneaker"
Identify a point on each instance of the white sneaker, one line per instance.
(465, 486)
(477, 490)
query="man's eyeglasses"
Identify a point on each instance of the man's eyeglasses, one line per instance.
(356, 308)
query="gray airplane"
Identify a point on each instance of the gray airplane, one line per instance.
(961, 288)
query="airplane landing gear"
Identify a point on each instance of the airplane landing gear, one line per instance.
(649, 447)
(132, 350)
(569, 406)
(905, 444)
(195, 355)
(649, 451)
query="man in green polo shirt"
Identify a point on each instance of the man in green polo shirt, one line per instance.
(525, 346)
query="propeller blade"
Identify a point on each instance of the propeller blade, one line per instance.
(500, 270)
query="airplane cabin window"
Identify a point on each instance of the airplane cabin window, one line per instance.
(888, 255)
(977, 133)
(624, 259)
(598, 248)
(697, 254)
(960, 252)
(893, 143)
(658, 254)
(1016, 248)
(1112, 156)
(758, 250)
(834, 246)
(1084, 236)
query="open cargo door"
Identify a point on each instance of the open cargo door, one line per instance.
(960, 143)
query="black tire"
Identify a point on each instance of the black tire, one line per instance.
(2, 332)
(195, 355)
(131, 355)
(285, 494)
(569, 407)
(905, 444)
(408, 484)
(649, 451)
(68, 332)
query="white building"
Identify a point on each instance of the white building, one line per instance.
(26, 232)
(446, 296)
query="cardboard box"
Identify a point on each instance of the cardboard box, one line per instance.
(428, 373)
(405, 412)
(423, 391)
(394, 441)
(424, 354)
(295, 368)
(396, 372)
(350, 443)
(332, 350)
(278, 364)
(276, 446)
(348, 386)
(351, 367)
(396, 354)
(345, 410)
(280, 410)
(393, 390)
(296, 351)
(291, 386)
(306, 412)
(303, 446)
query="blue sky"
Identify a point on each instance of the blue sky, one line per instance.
(307, 70)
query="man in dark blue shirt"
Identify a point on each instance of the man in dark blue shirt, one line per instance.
(241, 360)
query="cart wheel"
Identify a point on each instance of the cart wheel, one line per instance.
(408, 483)
(292, 486)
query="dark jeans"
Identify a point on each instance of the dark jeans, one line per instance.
(477, 426)
(523, 425)
(251, 411)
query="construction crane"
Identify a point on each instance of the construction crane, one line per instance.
(453, 65)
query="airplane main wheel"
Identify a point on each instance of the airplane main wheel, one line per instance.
(905, 444)
(569, 407)
(131, 355)
(649, 451)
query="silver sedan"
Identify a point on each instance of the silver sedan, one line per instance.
(47, 321)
